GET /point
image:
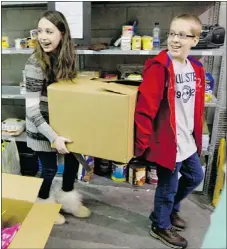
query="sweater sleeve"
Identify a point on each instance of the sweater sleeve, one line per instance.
(34, 82)
(149, 99)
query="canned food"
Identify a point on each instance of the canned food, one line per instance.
(5, 42)
(147, 42)
(152, 177)
(34, 34)
(119, 172)
(137, 175)
(136, 43)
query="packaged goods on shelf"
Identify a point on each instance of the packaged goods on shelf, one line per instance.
(147, 42)
(126, 42)
(85, 73)
(209, 87)
(136, 42)
(13, 126)
(5, 42)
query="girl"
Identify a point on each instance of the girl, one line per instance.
(53, 59)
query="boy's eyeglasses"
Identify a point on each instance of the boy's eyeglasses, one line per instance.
(180, 35)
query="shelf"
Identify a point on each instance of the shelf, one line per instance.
(20, 138)
(118, 51)
(17, 51)
(29, 3)
(11, 92)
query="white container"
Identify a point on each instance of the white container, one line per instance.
(127, 30)
(34, 34)
(126, 42)
(18, 43)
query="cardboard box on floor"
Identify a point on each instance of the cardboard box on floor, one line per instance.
(18, 196)
(98, 117)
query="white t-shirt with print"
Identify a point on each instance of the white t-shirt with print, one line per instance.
(185, 85)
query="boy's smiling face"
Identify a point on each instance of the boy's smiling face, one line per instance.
(180, 45)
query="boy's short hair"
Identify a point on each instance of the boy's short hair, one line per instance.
(194, 21)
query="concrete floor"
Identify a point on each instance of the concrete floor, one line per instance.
(120, 219)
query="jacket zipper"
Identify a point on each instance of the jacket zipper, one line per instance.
(170, 119)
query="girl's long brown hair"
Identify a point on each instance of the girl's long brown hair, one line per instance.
(64, 66)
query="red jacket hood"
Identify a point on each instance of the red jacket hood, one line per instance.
(164, 59)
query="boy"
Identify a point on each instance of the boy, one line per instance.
(169, 122)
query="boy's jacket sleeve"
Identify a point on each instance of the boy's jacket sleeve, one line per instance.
(149, 99)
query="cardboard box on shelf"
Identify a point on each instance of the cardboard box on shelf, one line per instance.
(19, 194)
(97, 116)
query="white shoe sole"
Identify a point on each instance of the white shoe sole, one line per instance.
(62, 222)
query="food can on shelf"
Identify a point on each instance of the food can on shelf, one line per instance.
(137, 175)
(136, 42)
(152, 177)
(119, 171)
(147, 42)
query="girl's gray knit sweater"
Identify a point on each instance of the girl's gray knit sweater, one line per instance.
(39, 133)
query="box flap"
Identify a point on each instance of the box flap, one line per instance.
(20, 187)
(78, 85)
(120, 81)
(117, 88)
(89, 85)
(36, 227)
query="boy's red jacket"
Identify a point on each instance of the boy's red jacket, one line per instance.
(155, 121)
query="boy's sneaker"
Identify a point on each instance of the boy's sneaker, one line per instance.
(169, 237)
(177, 222)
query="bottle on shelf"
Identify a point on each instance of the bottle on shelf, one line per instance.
(156, 35)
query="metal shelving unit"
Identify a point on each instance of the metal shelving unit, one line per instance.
(219, 127)
(219, 124)
(17, 51)
(118, 51)
(25, 3)
(12, 92)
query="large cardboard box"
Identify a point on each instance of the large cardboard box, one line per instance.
(98, 117)
(19, 194)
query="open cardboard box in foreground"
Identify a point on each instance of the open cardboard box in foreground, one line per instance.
(19, 194)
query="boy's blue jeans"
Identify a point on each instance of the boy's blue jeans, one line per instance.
(170, 191)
